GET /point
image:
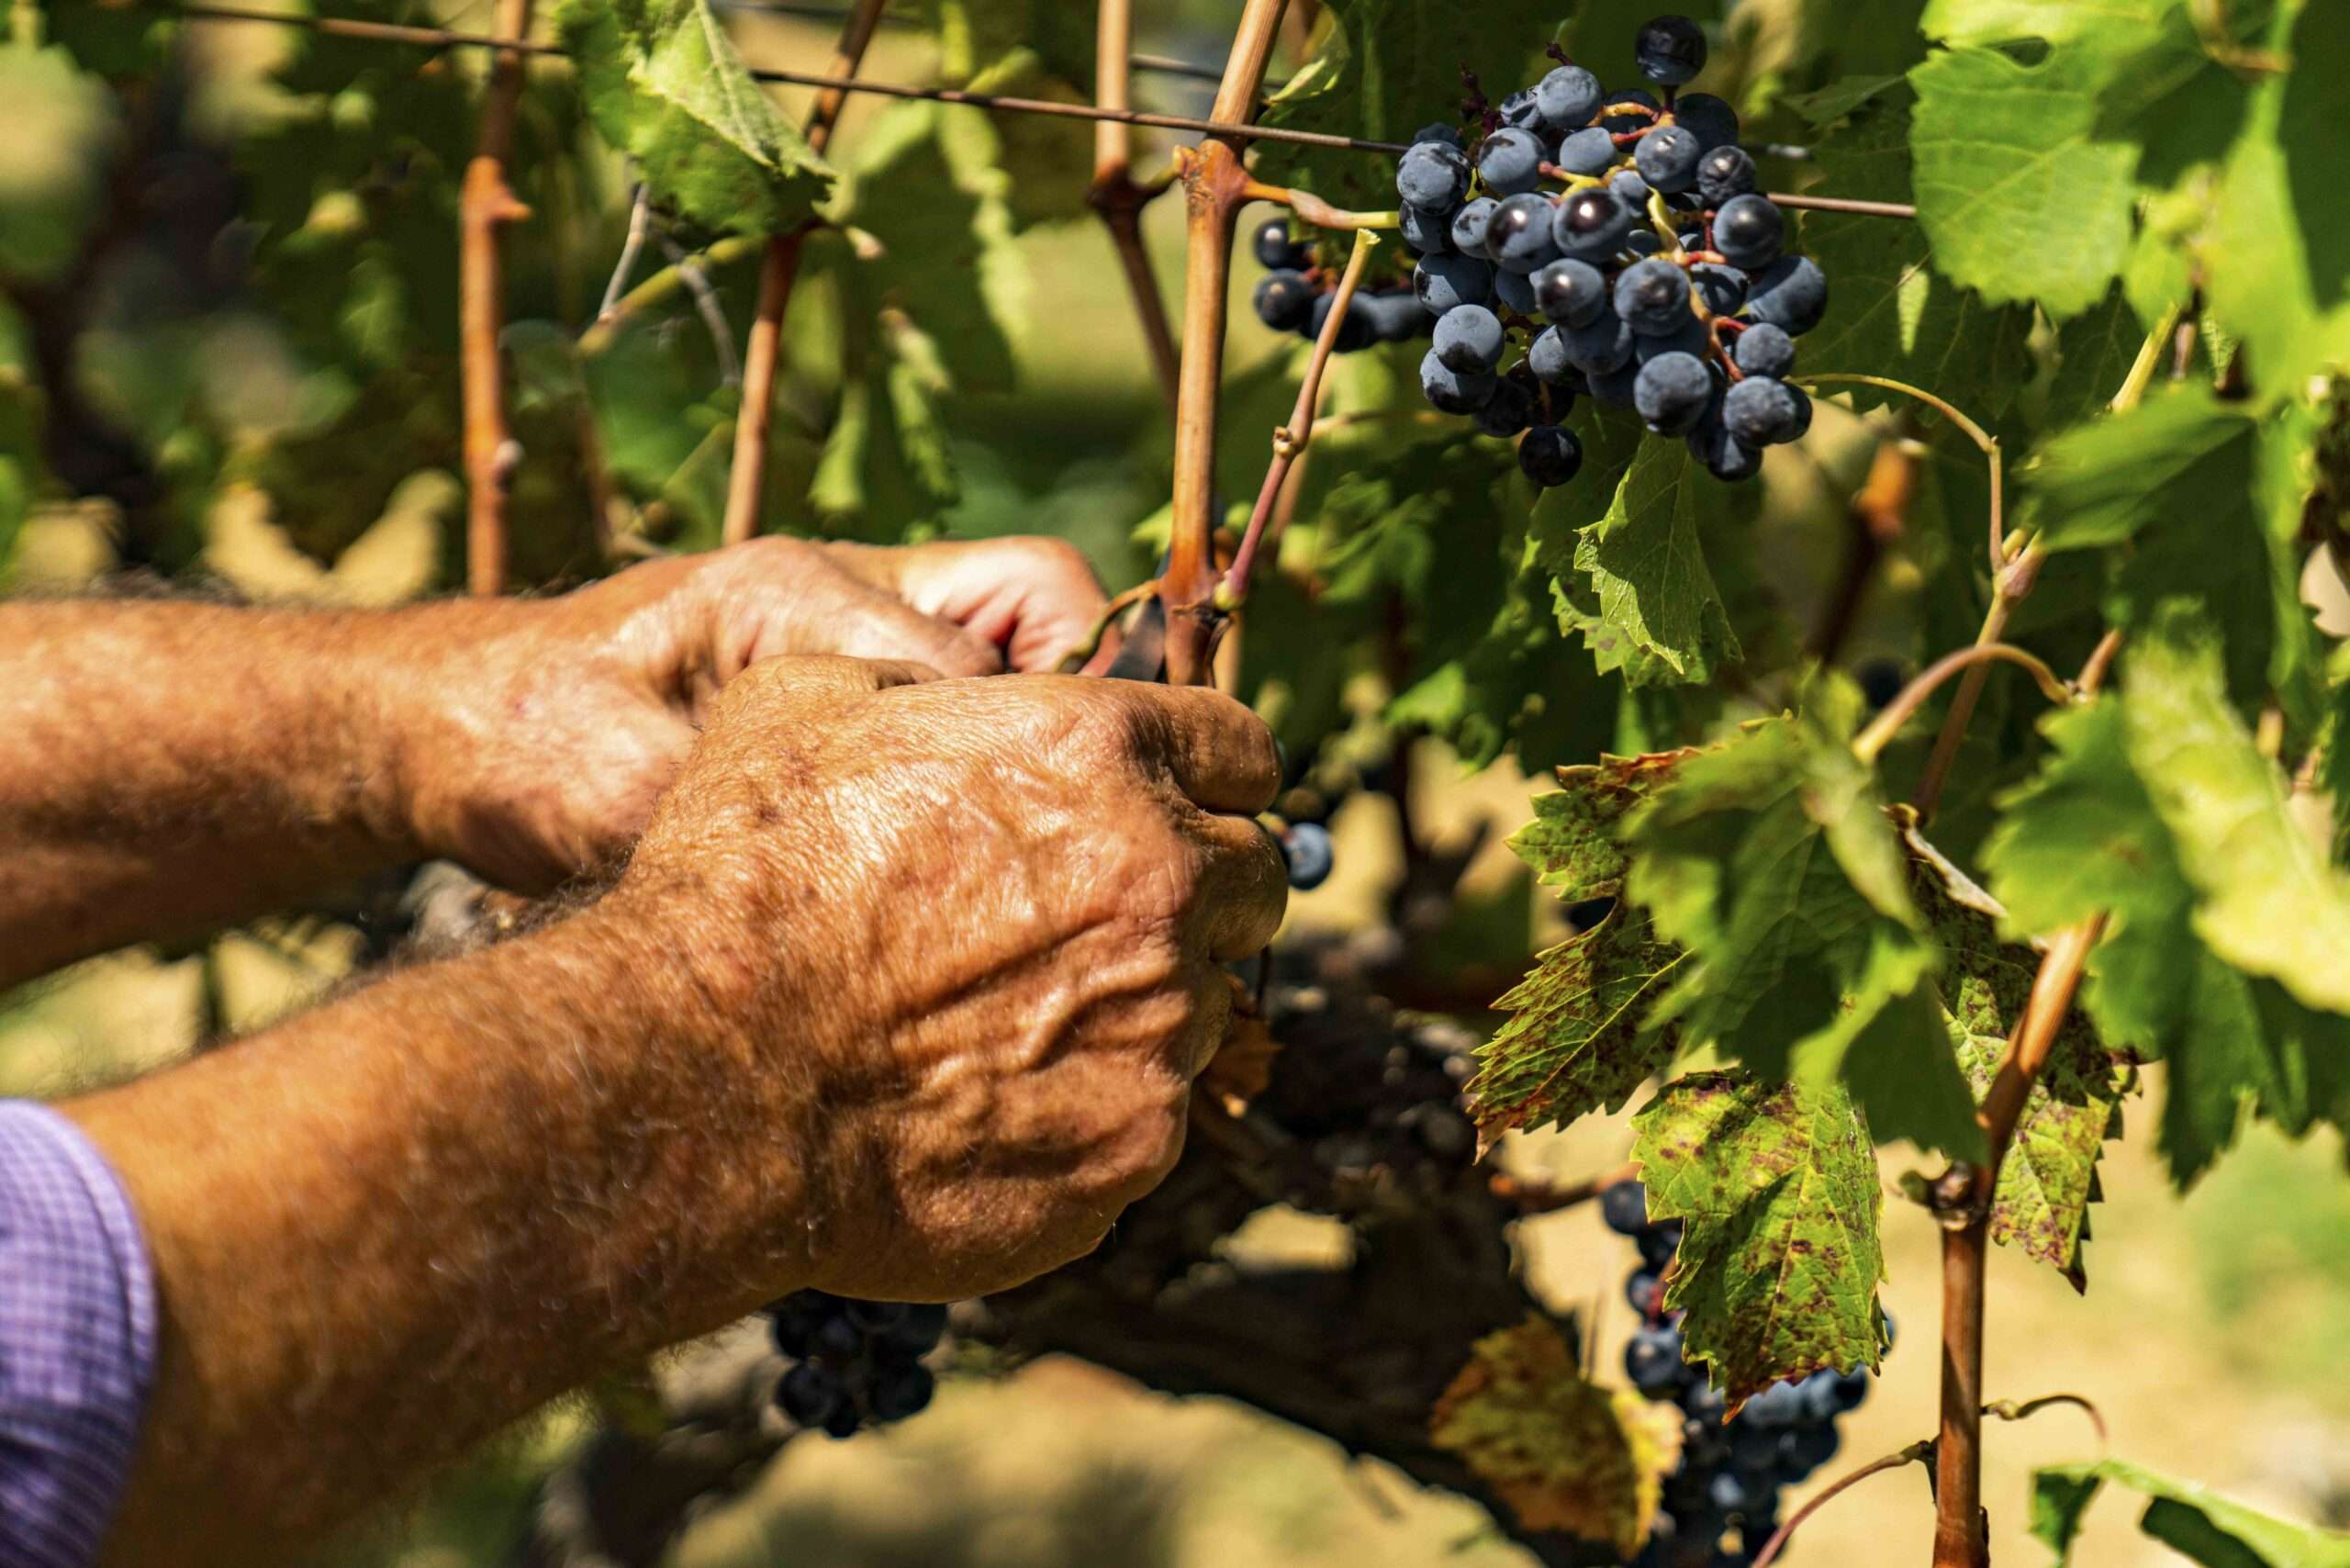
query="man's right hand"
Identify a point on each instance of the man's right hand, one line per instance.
(964, 936)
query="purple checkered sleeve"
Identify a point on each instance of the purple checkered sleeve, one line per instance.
(77, 1339)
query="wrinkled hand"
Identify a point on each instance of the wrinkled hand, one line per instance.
(537, 734)
(963, 936)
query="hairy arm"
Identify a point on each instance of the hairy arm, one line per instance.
(169, 767)
(901, 996)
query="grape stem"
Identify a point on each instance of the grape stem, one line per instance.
(1289, 440)
(1114, 194)
(657, 287)
(1083, 651)
(1316, 211)
(1918, 1453)
(746, 479)
(485, 205)
(1215, 183)
(1870, 742)
(640, 212)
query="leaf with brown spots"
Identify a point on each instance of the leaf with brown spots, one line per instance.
(2049, 1176)
(1565, 1453)
(1779, 1262)
(1579, 1038)
(1572, 841)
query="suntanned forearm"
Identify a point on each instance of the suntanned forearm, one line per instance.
(166, 768)
(388, 1227)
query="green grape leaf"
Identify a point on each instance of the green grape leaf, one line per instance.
(2093, 351)
(1657, 615)
(2268, 902)
(1890, 313)
(1389, 67)
(663, 85)
(2006, 150)
(66, 134)
(2277, 257)
(1572, 843)
(1773, 861)
(2084, 836)
(1580, 1037)
(2101, 482)
(2192, 1520)
(1565, 1453)
(1780, 1259)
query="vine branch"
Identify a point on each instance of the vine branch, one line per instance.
(486, 204)
(1289, 440)
(746, 480)
(1113, 193)
(1214, 186)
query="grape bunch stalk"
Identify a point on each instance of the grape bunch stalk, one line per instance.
(854, 1362)
(1613, 244)
(1727, 1488)
(1296, 295)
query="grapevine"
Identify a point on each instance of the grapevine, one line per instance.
(1967, 793)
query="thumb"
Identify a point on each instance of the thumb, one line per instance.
(868, 622)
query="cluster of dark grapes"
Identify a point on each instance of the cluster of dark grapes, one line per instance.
(1617, 245)
(1296, 295)
(854, 1362)
(1731, 1473)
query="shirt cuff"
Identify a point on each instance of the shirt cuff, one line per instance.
(77, 1339)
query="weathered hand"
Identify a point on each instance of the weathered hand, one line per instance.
(987, 916)
(539, 734)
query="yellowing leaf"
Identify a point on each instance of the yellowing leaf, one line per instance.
(1563, 1452)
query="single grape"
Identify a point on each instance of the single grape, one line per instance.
(1590, 224)
(1724, 173)
(1586, 151)
(1724, 456)
(842, 1423)
(1658, 1242)
(1468, 340)
(1567, 98)
(1748, 230)
(1713, 120)
(1653, 297)
(1439, 131)
(1821, 1404)
(1275, 250)
(1614, 388)
(1509, 411)
(1432, 175)
(1806, 1449)
(1629, 188)
(1447, 283)
(1704, 1402)
(1624, 1208)
(1283, 300)
(1763, 350)
(1519, 111)
(1667, 158)
(1470, 223)
(1550, 455)
(1739, 1490)
(1520, 236)
(1776, 1407)
(1395, 317)
(1306, 847)
(1571, 292)
(1355, 330)
(1424, 231)
(1643, 242)
(1514, 291)
(900, 1390)
(1669, 49)
(1853, 1387)
(1644, 1292)
(1803, 412)
(1451, 392)
(1723, 289)
(921, 1330)
(1759, 411)
(1672, 393)
(1511, 160)
(1545, 356)
(809, 1393)
(1790, 294)
(1652, 1358)
(836, 1338)
(1622, 122)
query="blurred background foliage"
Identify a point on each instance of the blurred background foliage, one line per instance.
(227, 336)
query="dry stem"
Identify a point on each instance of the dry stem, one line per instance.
(485, 205)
